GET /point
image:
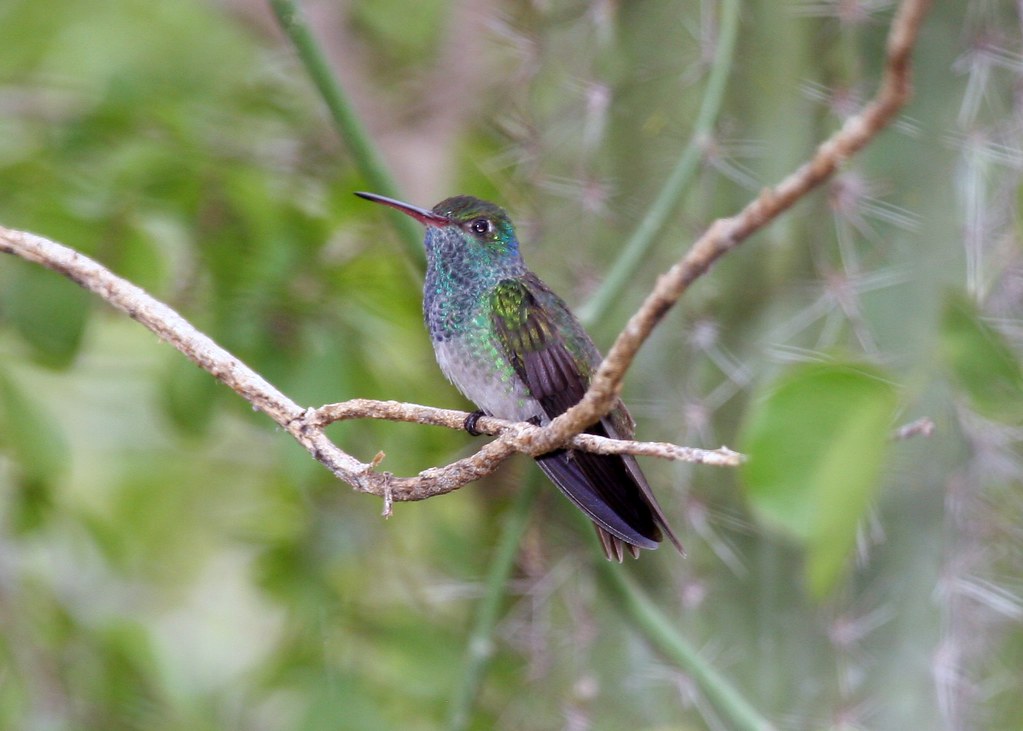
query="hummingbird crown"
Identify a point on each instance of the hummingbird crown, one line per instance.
(467, 257)
(483, 221)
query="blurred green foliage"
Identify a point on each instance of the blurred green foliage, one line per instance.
(816, 443)
(983, 365)
(168, 560)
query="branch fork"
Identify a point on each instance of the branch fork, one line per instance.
(307, 425)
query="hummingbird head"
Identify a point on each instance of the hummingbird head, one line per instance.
(461, 229)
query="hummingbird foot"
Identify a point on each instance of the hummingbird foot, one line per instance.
(470, 423)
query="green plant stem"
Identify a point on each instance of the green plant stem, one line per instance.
(639, 244)
(480, 646)
(658, 629)
(365, 154)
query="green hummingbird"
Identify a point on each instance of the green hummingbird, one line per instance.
(513, 348)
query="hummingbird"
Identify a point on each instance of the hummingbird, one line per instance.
(513, 348)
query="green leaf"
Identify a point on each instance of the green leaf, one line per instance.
(29, 434)
(190, 396)
(981, 362)
(48, 311)
(39, 449)
(816, 444)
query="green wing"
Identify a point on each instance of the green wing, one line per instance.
(550, 351)
(543, 342)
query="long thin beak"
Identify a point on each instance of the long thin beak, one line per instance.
(425, 217)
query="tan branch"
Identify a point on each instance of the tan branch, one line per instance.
(521, 436)
(307, 425)
(727, 233)
(197, 347)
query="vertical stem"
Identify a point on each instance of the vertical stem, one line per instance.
(353, 133)
(659, 630)
(480, 646)
(638, 246)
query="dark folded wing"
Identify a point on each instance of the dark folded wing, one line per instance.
(555, 369)
(551, 352)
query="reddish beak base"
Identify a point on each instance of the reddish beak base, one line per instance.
(424, 216)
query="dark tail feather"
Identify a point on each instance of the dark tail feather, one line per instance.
(614, 547)
(617, 425)
(605, 488)
(658, 513)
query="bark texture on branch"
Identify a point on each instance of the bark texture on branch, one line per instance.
(306, 425)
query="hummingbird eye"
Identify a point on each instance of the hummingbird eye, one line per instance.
(480, 226)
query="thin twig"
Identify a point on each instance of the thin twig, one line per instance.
(306, 425)
(726, 234)
(520, 435)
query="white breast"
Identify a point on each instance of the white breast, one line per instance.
(477, 368)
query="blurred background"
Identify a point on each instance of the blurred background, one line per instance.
(170, 560)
